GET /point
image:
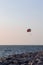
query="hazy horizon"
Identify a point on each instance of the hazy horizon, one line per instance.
(18, 15)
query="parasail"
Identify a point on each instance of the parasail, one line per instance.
(29, 30)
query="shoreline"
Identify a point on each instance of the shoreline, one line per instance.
(31, 58)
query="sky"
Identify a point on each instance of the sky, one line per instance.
(16, 16)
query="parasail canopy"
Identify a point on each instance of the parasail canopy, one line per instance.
(29, 30)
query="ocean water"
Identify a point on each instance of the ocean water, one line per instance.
(6, 50)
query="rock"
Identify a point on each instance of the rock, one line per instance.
(35, 58)
(41, 63)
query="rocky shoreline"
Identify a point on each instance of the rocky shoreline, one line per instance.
(30, 58)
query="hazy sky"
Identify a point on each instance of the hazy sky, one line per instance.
(18, 15)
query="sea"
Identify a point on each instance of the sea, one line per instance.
(6, 50)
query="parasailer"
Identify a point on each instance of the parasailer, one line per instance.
(29, 30)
